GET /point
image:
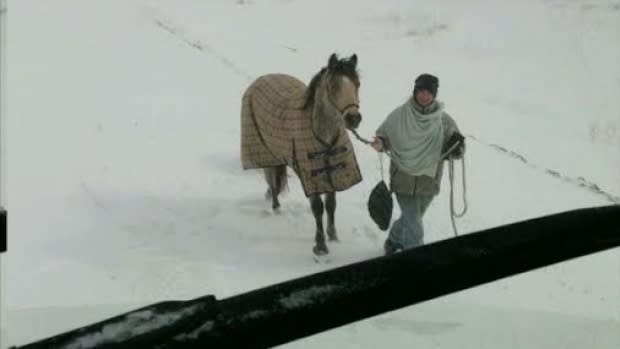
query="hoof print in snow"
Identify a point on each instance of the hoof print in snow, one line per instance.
(323, 259)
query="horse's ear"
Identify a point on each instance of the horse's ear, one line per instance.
(353, 59)
(333, 60)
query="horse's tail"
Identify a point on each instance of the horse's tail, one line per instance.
(248, 133)
(277, 179)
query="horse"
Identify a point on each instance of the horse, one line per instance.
(288, 124)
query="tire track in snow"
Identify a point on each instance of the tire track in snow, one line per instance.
(203, 47)
(580, 182)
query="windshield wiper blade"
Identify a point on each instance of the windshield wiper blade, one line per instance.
(308, 305)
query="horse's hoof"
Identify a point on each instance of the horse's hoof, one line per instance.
(333, 238)
(320, 250)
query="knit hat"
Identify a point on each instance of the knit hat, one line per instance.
(427, 82)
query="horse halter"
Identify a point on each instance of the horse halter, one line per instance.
(346, 107)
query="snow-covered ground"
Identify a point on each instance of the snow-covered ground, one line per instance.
(124, 184)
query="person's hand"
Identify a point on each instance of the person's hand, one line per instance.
(457, 153)
(377, 144)
(455, 138)
(459, 150)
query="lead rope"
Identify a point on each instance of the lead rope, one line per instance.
(453, 213)
(386, 152)
(381, 165)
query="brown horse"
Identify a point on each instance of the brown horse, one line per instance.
(285, 123)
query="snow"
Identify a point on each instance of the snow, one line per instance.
(206, 327)
(131, 326)
(308, 296)
(124, 186)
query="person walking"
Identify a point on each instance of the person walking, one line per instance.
(416, 134)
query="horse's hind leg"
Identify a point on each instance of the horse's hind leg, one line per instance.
(317, 209)
(272, 193)
(330, 206)
(276, 178)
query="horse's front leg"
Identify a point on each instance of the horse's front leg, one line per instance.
(330, 206)
(317, 209)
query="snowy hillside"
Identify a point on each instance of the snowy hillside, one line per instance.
(124, 183)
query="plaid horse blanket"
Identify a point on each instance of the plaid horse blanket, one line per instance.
(276, 130)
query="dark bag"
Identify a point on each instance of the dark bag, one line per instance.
(380, 205)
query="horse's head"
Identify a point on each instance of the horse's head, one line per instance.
(342, 89)
(336, 87)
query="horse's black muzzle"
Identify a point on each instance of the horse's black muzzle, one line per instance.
(353, 120)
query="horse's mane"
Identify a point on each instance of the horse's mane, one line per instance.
(343, 67)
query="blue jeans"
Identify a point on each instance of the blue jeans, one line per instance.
(408, 230)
